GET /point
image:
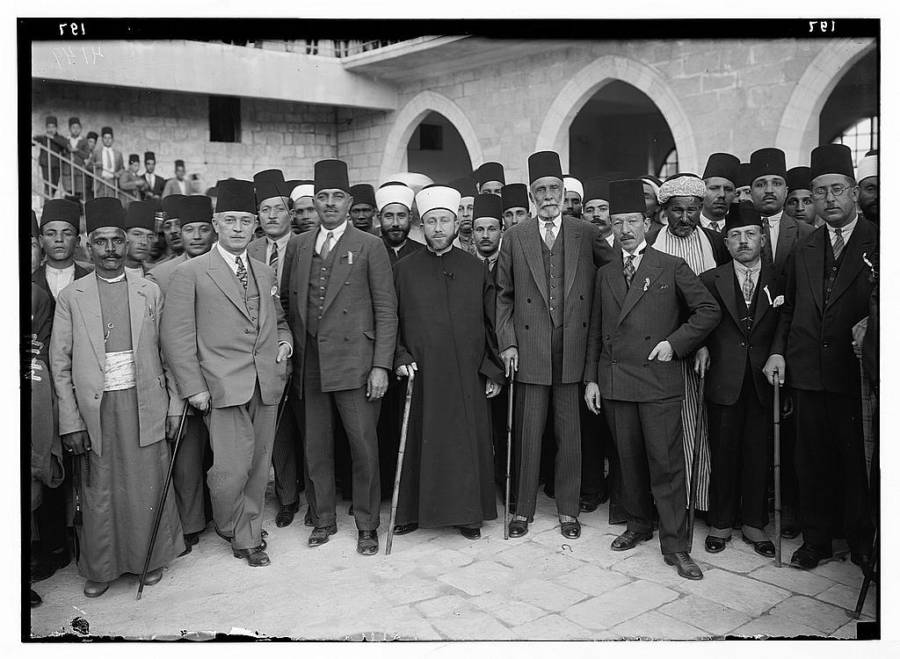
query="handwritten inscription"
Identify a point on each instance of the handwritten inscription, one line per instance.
(69, 56)
(824, 27)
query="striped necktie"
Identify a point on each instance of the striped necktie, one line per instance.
(326, 246)
(629, 270)
(241, 272)
(549, 237)
(837, 245)
(273, 259)
(767, 257)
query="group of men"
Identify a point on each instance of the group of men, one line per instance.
(99, 168)
(597, 326)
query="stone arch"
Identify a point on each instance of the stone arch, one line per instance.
(798, 132)
(589, 80)
(406, 120)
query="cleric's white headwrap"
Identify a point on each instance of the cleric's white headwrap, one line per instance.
(413, 179)
(394, 192)
(687, 185)
(572, 184)
(437, 196)
(653, 184)
(302, 190)
(868, 166)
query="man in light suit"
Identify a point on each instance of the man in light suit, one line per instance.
(109, 380)
(108, 165)
(178, 184)
(649, 311)
(227, 343)
(198, 235)
(274, 206)
(155, 183)
(342, 308)
(545, 284)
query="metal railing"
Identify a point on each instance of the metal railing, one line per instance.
(61, 176)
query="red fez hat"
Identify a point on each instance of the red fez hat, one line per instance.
(627, 196)
(798, 179)
(597, 188)
(61, 210)
(235, 195)
(489, 171)
(465, 186)
(140, 215)
(767, 162)
(196, 208)
(742, 215)
(722, 165)
(331, 175)
(104, 212)
(173, 205)
(269, 183)
(831, 159)
(363, 193)
(514, 195)
(544, 163)
(487, 205)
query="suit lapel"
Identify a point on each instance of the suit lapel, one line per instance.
(815, 265)
(136, 297)
(572, 247)
(262, 286)
(762, 300)
(88, 300)
(305, 247)
(725, 286)
(341, 266)
(616, 279)
(531, 245)
(220, 272)
(644, 277)
(787, 236)
(853, 262)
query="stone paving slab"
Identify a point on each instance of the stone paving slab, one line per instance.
(654, 624)
(713, 617)
(823, 617)
(510, 612)
(546, 594)
(769, 626)
(846, 597)
(617, 606)
(805, 582)
(735, 591)
(553, 627)
(593, 580)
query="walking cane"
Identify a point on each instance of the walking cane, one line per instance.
(284, 399)
(162, 501)
(509, 423)
(396, 496)
(695, 458)
(776, 468)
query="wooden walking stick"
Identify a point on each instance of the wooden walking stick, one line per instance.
(162, 501)
(284, 400)
(403, 429)
(509, 440)
(776, 467)
(695, 458)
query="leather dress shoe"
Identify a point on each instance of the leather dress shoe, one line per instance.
(226, 538)
(41, 570)
(256, 557)
(808, 557)
(286, 514)
(403, 529)
(153, 577)
(518, 528)
(469, 533)
(367, 543)
(190, 539)
(35, 599)
(685, 565)
(320, 535)
(763, 547)
(307, 519)
(714, 545)
(629, 540)
(790, 532)
(590, 503)
(95, 588)
(570, 530)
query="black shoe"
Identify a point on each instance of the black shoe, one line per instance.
(320, 535)
(286, 514)
(629, 540)
(256, 557)
(403, 529)
(686, 566)
(570, 530)
(367, 543)
(191, 538)
(714, 545)
(59, 558)
(790, 532)
(41, 570)
(307, 518)
(35, 600)
(590, 502)
(226, 538)
(469, 533)
(763, 548)
(808, 557)
(518, 528)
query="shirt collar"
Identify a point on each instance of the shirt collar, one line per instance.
(638, 252)
(557, 222)
(742, 270)
(113, 280)
(231, 258)
(281, 241)
(610, 239)
(59, 272)
(776, 217)
(847, 229)
(705, 221)
(336, 233)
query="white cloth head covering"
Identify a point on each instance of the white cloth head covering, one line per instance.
(394, 192)
(868, 166)
(687, 185)
(437, 196)
(302, 190)
(572, 184)
(412, 179)
(653, 184)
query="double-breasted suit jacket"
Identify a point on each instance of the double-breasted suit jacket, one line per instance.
(791, 233)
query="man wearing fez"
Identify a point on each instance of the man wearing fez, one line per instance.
(130, 181)
(227, 345)
(155, 183)
(739, 400)
(719, 176)
(464, 238)
(445, 306)
(188, 476)
(651, 185)
(342, 309)
(799, 202)
(178, 184)
(515, 204)
(55, 145)
(768, 191)
(59, 237)
(171, 229)
(827, 292)
(304, 214)
(487, 229)
(650, 311)
(545, 277)
(394, 201)
(574, 196)
(108, 375)
(490, 178)
(108, 165)
(867, 173)
(140, 225)
(362, 212)
(596, 207)
(80, 152)
(274, 206)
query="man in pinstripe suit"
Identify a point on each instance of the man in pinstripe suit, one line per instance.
(649, 311)
(545, 284)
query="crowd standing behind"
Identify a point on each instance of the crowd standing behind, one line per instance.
(631, 325)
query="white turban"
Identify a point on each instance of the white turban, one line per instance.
(687, 185)
(572, 184)
(393, 192)
(413, 179)
(868, 166)
(302, 190)
(437, 196)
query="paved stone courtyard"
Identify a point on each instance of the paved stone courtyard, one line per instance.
(437, 585)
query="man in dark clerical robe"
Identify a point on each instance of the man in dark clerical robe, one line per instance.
(445, 336)
(108, 375)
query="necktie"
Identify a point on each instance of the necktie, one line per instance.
(241, 272)
(107, 159)
(273, 259)
(767, 257)
(549, 237)
(326, 246)
(748, 289)
(837, 245)
(629, 270)
(714, 226)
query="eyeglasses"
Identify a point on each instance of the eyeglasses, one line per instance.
(837, 190)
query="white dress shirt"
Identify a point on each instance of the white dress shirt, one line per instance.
(336, 234)
(59, 278)
(740, 270)
(610, 239)
(557, 225)
(774, 228)
(638, 255)
(282, 246)
(151, 179)
(109, 162)
(705, 222)
(182, 185)
(230, 259)
(846, 231)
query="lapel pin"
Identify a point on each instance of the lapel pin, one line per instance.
(646, 284)
(349, 258)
